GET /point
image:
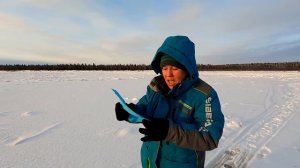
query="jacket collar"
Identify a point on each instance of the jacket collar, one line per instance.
(181, 88)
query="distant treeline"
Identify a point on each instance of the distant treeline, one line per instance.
(82, 67)
(287, 66)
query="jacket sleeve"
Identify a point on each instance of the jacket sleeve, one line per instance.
(142, 107)
(205, 134)
(139, 108)
(148, 103)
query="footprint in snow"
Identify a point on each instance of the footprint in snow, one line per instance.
(264, 152)
(233, 124)
(108, 131)
(122, 132)
(134, 99)
(119, 132)
(28, 114)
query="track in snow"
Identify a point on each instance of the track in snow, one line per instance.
(31, 136)
(251, 141)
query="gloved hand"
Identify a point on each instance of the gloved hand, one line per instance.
(155, 129)
(121, 114)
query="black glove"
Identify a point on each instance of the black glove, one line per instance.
(121, 114)
(155, 129)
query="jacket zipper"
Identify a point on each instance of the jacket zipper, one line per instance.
(197, 158)
(148, 162)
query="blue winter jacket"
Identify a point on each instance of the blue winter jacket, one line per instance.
(192, 108)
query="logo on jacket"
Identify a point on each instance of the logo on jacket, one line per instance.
(208, 112)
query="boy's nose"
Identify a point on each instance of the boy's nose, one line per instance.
(169, 72)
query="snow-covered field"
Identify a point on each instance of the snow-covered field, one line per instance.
(66, 119)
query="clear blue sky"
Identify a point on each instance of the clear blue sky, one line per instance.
(130, 31)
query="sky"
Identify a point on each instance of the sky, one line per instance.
(130, 31)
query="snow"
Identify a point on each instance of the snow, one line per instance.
(66, 119)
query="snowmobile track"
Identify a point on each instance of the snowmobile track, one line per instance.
(248, 142)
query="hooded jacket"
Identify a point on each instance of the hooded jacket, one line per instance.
(192, 108)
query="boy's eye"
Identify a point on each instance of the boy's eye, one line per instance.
(166, 68)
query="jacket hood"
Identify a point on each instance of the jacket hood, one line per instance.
(182, 49)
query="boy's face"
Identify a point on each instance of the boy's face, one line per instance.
(173, 75)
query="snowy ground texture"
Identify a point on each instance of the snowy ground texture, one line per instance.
(67, 120)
